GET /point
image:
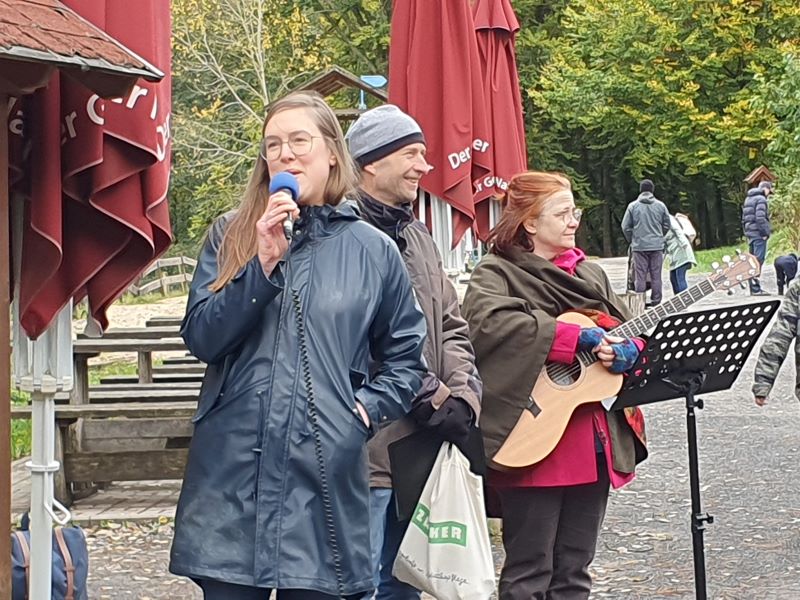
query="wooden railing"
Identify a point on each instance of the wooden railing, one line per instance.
(161, 276)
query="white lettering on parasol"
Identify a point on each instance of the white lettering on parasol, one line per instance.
(130, 101)
(490, 181)
(95, 109)
(457, 159)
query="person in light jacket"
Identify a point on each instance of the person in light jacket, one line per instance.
(276, 489)
(680, 255)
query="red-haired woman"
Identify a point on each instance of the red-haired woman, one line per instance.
(552, 511)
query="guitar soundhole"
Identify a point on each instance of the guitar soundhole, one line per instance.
(562, 374)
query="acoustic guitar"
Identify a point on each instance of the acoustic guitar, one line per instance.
(562, 388)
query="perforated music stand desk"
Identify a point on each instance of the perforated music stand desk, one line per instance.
(688, 354)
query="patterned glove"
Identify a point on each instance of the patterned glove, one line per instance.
(589, 338)
(625, 354)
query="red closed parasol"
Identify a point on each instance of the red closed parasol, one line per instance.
(435, 76)
(496, 27)
(97, 214)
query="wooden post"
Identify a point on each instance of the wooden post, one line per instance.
(5, 365)
(145, 367)
(182, 273)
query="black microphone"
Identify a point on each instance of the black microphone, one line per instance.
(286, 182)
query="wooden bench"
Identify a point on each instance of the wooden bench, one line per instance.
(159, 378)
(86, 348)
(125, 441)
(137, 333)
(139, 392)
(137, 440)
(164, 322)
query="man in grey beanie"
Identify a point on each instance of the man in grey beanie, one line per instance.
(389, 148)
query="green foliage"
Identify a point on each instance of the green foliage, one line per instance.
(20, 428)
(617, 90)
(782, 98)
(112, 368)
(690, 93)
(155, 297)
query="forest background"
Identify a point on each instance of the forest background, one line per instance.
(693, 94)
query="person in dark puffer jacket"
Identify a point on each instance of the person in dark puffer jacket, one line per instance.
(755, 223)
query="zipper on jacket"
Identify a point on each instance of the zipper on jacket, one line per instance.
(262, 395)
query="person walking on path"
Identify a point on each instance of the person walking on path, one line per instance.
(785, 270)
(311, 343)
(680, 255)
(388, 147)
(776, 346)
(755, 223)
(645, 224)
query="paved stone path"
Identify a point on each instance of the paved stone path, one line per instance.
(749, 477)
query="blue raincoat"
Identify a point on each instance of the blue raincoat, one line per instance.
(251, 509)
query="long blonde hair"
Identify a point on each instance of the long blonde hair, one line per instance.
(239, 243)
(525, 199)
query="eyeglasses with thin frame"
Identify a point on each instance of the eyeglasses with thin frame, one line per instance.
(300, 143)
(567, 215)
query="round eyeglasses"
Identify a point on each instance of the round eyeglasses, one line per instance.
(567, 215)
(300, 143)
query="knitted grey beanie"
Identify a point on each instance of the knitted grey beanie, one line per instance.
(380, 131)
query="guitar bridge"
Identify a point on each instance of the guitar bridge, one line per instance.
(533, 407)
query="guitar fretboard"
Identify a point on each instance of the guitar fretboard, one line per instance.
(650, 318)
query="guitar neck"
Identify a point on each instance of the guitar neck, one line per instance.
(649, 319)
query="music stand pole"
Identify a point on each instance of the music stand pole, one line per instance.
(688, 383)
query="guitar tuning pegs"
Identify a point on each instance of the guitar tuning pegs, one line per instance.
(739, 253)
(715, 265)
(726, 259)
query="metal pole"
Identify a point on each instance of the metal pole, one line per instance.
(42, 466)
(5, 367)
(699, 518)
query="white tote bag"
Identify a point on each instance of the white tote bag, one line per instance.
(446, 550)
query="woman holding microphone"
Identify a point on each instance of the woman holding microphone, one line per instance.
(310, 343)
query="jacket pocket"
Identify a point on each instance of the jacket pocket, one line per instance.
(357, 381)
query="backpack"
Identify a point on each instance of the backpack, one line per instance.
(70, 563)
(687, 227)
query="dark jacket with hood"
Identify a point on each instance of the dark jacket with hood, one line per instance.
(755, 215)
(448, 352)
(252, 509)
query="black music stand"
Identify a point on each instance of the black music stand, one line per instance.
(689, 354)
